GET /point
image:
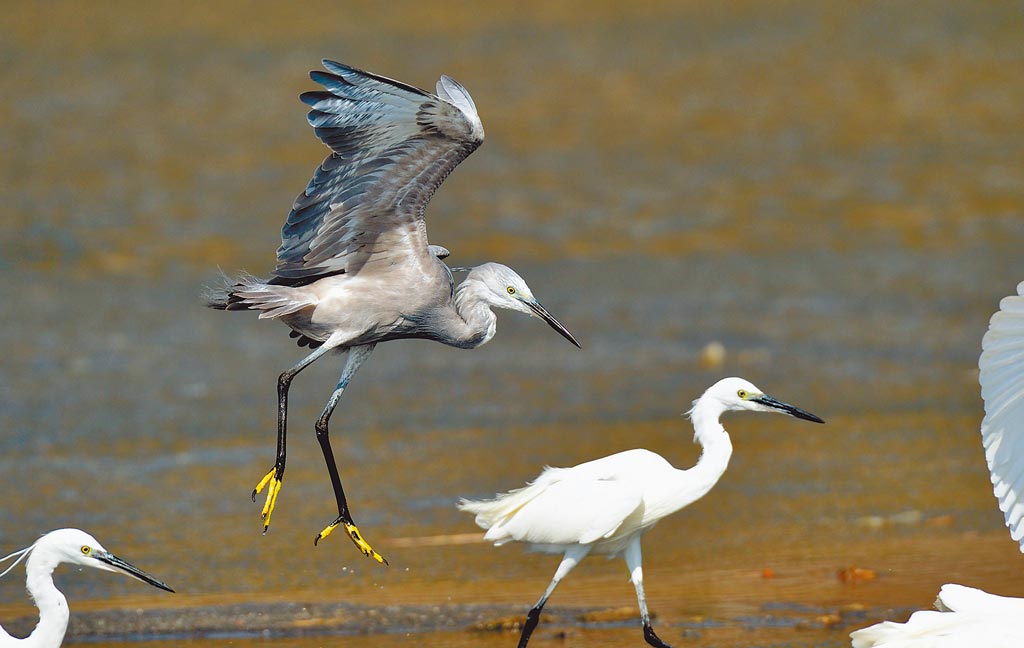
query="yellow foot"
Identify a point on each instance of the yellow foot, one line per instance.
(357, 538)
(275, 488)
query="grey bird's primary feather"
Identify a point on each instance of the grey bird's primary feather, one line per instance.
(392, 147)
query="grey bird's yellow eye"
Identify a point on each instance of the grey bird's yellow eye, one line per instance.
(511, 290)
(742, 394)
(86, 550)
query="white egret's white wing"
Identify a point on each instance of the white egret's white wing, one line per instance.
(562, 506)
(1002, 388)
(393, 145)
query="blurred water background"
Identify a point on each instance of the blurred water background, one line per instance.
(833, 192)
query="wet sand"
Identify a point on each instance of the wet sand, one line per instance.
(832, 193)
(803, 603)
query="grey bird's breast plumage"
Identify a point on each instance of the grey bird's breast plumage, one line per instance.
(397, 302)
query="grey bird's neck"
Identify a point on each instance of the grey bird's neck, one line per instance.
(475, 323)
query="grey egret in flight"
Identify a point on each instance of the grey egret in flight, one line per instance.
(71, 546)
(966, 616)
(606, 505)
(354, 267)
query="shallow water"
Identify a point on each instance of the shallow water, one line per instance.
(833, 193)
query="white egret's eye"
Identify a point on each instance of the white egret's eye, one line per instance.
(86, 550)
(742, 394)
(511, 290)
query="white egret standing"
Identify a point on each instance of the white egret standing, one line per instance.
(967, 616)
(61, 546)
(354, 267)
(606, 505)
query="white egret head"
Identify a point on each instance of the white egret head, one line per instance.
(77, 547)
(732, 394)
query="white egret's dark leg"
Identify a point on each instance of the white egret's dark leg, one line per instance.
(636, 574)
(276, 474)
(356, 357)
(571, 558)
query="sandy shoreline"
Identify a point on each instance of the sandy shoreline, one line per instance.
(288, 620)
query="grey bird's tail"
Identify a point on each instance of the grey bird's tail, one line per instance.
(247, 292)
(272, 300)
(224, 296)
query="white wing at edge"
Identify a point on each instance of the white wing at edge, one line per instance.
(1002, 389)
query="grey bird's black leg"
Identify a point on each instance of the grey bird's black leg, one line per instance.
(272, 480)
(356, 357)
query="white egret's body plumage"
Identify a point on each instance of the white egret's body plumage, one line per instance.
(614, 498)
(606, 505)
(354, 267)
(71, 546)
(966, 616)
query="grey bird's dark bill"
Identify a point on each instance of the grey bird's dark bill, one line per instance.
(543, 313)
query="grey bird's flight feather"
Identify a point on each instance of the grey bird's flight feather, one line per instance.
(392, 146)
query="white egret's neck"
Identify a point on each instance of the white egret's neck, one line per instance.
(53, 607)
(705, 415)
(715, 443)
(472, 305)
(681, 488)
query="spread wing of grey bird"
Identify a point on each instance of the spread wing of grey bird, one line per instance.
(392, 146)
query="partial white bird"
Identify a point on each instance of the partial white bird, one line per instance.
(967, 616)
(354, 267)
(61, 546)
(964, 617)
(1002, 388)
(606, 505)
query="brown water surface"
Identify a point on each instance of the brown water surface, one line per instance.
(831, 191)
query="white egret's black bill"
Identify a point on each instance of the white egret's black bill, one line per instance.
(130, 569)
(786, 408)
(543, 313)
